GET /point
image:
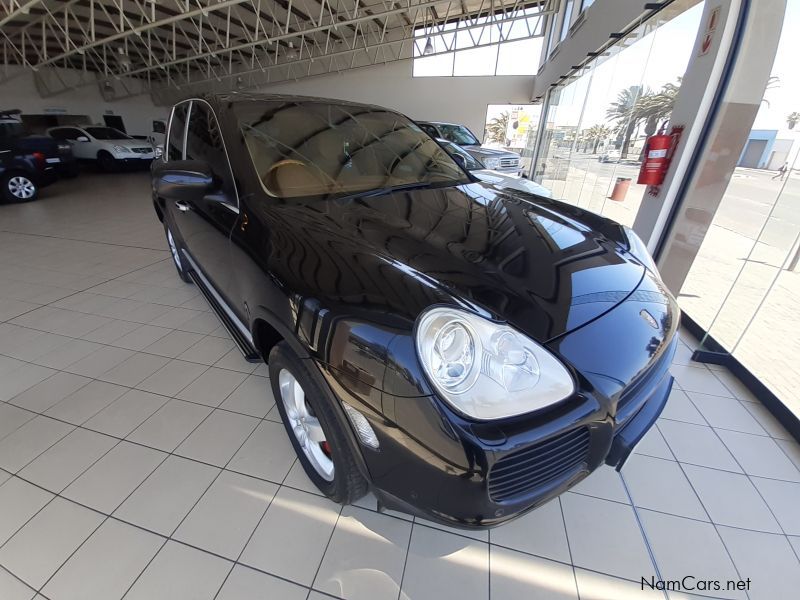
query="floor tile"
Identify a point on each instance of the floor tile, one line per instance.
(443, 566)
(58, 466)
(234, 361)
(717, 491)
(22, 378)
(170, 425)
(19, 501)
(299, 480)
(47, 540)
(661, 485)
(19, 448)
(291, 538)
(126, 413)
(43, 395)
(734, 386)
(218, 438)
(141, 337)
(541, 532)
(605, 482)
(591, 522)
(12, 418)
(122, 550)
(267, 453)
(791, 450)
(111, 331)
(516, 575)
(247, 584)
(680, 408)
(172, 378)
(783, 498)
(365, 556)
(12, 588)
(697, 445)
(134, 370)
(222, 521)
(100, 361)
(767, 421)
(759, 456)
(698, 379)
(253, 397)
(173, 344)
(111, 479)
(179, 572)
(596, 586)
(83, 404)
(766, 559)
(161, 502)
(67, 354)
(212, 387)
(683, 546)
(720, 412)
(208, 350)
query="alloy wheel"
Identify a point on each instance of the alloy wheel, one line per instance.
(305, 425)
(21, 187)
(174, 250)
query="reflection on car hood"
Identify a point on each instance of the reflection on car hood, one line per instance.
(481, 152)
(537, 265)
(504, 181)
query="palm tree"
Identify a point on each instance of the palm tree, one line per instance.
(596, 134)
(773, 82)
(625, 112)
(793, 119)
(496, 128)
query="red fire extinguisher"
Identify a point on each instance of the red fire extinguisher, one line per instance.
(657, 155)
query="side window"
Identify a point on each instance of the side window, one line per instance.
(174, 149)
(159, 127)
(431, 131)
(58, 134)
(204, 142)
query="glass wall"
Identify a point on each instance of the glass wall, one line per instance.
(744, 285)
(597, 121)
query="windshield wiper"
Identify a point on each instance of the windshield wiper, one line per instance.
(395, 188)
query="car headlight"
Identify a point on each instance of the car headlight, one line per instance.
(487, 370)
(492, 163)
(120, 149)
(639, 249)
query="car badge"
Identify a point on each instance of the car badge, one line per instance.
(649, 318)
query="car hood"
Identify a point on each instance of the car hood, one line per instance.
(543, 266)
(480, 151)
(502, 181)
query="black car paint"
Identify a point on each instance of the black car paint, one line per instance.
(343, 281)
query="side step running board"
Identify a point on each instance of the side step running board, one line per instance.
(244, 345)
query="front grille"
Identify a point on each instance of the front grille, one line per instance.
(141, 150)
(509, 162)
(525, 470)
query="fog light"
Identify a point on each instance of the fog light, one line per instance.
(362, 427)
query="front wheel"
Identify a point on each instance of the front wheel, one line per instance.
(107, 162)
(19, 188)
(177, 257)
(313, 428)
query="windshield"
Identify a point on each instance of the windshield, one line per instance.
(458, 134)
(106, 133)
(12, 129)
(470, 163)
(314, 149)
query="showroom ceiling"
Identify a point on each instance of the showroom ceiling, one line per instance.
(167, 47)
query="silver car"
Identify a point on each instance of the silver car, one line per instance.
(503, 161)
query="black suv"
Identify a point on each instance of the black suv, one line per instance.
(465, 351)
(29, 162)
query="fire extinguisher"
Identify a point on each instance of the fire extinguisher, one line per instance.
(657, 155)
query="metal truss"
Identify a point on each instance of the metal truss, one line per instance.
(170, 47)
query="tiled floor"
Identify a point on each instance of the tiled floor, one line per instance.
(140, 456)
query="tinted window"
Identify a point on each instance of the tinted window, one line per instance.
(458, 134)
(106, 133)
(204, 142)
(470, 163)
(430, 130)
(66, 133)
(316, 149)
(174, 149)
(159, 127)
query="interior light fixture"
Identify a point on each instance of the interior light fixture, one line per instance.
(429, 49)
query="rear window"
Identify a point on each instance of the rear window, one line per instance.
(317, 149)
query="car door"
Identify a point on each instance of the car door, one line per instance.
(82, 150)
(205, 223)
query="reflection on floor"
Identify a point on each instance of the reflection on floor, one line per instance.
(140, 456)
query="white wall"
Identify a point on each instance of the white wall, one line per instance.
(456, 99)
(137, 112)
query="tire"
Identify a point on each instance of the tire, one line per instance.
(19, 187)
(106, 162)
(345, 484)
(177, 257)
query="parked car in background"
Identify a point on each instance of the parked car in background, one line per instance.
(465, 354)
(158, 133)
(503, 161)
(107, 146)
(496, 178)
(610, 155)
(27, 162)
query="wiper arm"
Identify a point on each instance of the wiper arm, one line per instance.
(395, 188)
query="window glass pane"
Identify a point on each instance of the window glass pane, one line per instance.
(440, 65)
(204, 142)
(520, 57)
(478, 61)
(567, 19)
(175, 143)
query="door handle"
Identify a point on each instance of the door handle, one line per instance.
(181, 205)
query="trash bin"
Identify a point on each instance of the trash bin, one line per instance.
(620, 189)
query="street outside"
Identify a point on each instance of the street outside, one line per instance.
(739, 288)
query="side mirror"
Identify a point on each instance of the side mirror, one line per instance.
(159, 151)
(186, 180)
(81, 138)
(462, 162)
